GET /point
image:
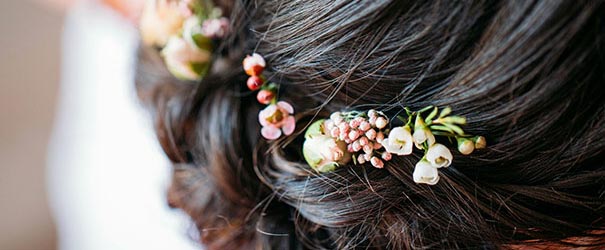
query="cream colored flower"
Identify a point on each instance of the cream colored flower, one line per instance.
(160, 20)
(422, 135)
(439, 156)
(323, 152)
(465, 146)
(399, 142)
(185, 61)
(425, 173)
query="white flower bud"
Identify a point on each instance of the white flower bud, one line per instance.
(381, 122)
(465, 146)
(439, 156)
(425, 173)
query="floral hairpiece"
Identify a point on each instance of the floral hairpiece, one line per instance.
(184, 31)
(277, 118)
(364, 137)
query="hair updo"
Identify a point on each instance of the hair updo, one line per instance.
(529, 75)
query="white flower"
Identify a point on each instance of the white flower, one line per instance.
(422, 135)
(425, 173)
(322, 152)
(399, 142)
(184, 60)
(439, 156)
(160, 20)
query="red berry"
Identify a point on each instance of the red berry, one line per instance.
(254, 83)
(265, 96)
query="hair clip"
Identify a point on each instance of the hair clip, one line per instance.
(184, 31)
(365, 137)
(277, 118)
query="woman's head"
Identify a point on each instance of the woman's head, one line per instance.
(527, 74)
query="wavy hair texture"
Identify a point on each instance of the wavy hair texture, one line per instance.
(529, 75)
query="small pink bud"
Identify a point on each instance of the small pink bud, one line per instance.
(372, 113)
(373, 120)
(380, 137)
(356, 146)
(361, 159)
(386, 156)
(377, 163)
(265, 96)
(381, 122)
(363, 141)
(354, 123)
(334, 132)
(371, 134)
(329, 125)
(342, 136)
(344, 127)
(377, 146)
(368, 149)
(353, 135)
(365, 126)
(350, 148)
(367, 157)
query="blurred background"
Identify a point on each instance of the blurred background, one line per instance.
(30, 42)
(80, 167)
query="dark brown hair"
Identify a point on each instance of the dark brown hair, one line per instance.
(529, 75)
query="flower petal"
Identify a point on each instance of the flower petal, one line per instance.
(263, 114)
(286, 106)
(270, 133)
(425, 173)
(439, 155)
(289, 125)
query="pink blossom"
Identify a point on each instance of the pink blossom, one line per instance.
(334, 132)
(386, 156)
(275, 119)
(379, 137)
(215, 28)
(353, 135)
(363, 141)
(354, 123)
(368, 149)
(356, 146)
(365, 126)
(361, 159)
(371, 134)
(376, 162)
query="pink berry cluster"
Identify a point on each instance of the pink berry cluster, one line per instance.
(363, 133)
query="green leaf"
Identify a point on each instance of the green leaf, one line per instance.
(425, 109)
(432, 115)
(441, 128)
(454, 128)
(452, 120)
(444, 112)
(203, 42)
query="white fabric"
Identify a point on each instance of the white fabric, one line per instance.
(107, 176)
